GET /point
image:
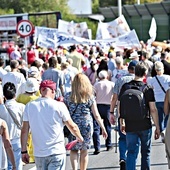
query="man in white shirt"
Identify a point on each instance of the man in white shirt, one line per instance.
(12, 113)
(14, 76)
(46, 118)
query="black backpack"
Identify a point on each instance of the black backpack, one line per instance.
(132, 103)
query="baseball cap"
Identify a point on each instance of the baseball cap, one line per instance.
(48, 84)
(132, 64)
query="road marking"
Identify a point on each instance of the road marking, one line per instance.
(34, 168)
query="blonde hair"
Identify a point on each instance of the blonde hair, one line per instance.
(82, 89)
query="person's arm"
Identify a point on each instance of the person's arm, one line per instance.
(98, 119)
(154, 114)
(74, 129)
(112, 107)
(7, 145)
(24, 138)
(122, 126)
(166, 102)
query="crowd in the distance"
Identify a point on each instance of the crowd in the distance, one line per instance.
(82, 84)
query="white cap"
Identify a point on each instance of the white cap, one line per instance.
(134, 55)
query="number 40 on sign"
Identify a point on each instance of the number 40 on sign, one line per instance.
(24, 28)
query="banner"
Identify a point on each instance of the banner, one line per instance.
(74, 29)
(128, 40)
(49, 37)
(46, 37)
(112, 29)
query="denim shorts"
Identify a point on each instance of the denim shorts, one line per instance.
(52, 162)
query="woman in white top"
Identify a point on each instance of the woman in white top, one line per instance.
(159, 93)
(5, 143)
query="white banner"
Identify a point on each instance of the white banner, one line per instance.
(75, 29)
(48, 37)
(8, 23)
(112, 29)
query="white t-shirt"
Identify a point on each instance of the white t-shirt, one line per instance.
(118, 73)
(158, 92)
(46, 117)
(14, 77)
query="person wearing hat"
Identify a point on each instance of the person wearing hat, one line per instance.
(134, 56)
(156, 82)
(46, 118)
(114, 118)
(31, 89)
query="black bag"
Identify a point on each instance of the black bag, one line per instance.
(66, 132)
(132, 103)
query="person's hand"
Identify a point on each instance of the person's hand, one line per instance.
(13, 167)
(25, 158)
(104, 134)
(80, 139)
(122, 128)
(157, 133)
(112, 119)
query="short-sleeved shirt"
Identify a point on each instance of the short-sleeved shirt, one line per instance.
(139, 125)
(46, 118)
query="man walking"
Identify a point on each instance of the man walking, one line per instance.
(139, 131)
(46, 118)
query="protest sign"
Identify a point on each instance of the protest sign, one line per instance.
(74, 29)
(112, 29)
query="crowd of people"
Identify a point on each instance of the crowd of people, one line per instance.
(80, 87)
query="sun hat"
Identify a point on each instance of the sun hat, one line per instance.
(134, 55)
(48, 84)
(31, 85)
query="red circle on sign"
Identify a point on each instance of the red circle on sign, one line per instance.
(25, 24)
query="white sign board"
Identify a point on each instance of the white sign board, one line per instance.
(8, 23)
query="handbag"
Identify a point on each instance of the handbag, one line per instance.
(66, 130)
(13, 117)
(160, 84)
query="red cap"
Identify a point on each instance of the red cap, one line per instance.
(48, 83)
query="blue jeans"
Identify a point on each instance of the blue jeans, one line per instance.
(52, 162)
(133, 140)
(17, 154)
(122, 144)
(162, 117)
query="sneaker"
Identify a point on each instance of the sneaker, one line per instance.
(163, 136)
(122, 164)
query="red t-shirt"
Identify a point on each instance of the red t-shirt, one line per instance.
(31, 57)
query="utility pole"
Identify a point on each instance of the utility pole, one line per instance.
(119, 7)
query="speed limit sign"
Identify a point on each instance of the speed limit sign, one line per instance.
(24, 28)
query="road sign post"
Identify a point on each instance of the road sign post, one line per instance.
(24, 29)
